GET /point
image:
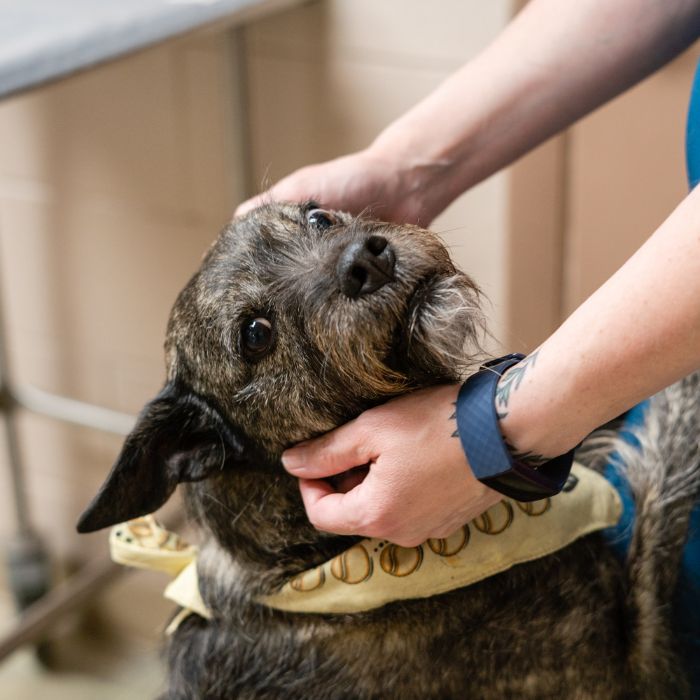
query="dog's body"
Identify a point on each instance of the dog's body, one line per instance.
(297, 321)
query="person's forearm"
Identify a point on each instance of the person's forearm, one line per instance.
(554, 63)
(637, 334)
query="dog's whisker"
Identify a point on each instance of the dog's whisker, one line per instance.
(211, 497)
(264, 496)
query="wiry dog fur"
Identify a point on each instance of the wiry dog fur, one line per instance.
(577, 624)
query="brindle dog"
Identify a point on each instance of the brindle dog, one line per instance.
(297, 321)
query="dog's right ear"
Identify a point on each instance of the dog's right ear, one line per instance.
(179, 436)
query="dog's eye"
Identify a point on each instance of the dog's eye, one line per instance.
(320, 219)
(257, 337)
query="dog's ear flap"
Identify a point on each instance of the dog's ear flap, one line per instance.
(179, 436)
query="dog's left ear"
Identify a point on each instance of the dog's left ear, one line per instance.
(179, 436)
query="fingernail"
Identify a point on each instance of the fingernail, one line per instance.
(291, 460)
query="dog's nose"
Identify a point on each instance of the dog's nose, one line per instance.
(365, 265)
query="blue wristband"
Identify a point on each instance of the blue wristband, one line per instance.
(483, 444)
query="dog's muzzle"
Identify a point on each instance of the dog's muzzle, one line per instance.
(365, 265)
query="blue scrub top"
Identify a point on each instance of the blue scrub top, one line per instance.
(687, 607)
(686, 602)
(692, 140)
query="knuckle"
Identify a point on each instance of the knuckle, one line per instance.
(320, 448)
(353, 524)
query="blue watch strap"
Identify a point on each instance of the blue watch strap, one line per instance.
(483, 444)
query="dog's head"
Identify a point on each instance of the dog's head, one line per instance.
(297, 320)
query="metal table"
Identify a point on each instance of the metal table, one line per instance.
(42, 41)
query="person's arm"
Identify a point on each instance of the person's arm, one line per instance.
(555, 62)
(638, 333)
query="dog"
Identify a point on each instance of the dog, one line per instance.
(298, 320)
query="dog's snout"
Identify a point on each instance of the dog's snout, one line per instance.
(365, 265)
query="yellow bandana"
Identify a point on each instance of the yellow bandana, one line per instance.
(375, 572)
(144, 544)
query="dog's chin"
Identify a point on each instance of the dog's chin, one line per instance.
(438, 338)
(397, 359)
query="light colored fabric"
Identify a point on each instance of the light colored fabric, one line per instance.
(184, 590)
(375, 572)
(145, 544)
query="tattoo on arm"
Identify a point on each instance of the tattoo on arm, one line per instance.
(506, 386)
(532, 459)
(512, 380)
(454, 417)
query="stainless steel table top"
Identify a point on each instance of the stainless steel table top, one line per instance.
(43, 40)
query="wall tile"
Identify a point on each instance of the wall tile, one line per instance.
(627, 174)
(406, 32)
(112, 185)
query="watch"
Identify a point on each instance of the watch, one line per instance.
(489, 457)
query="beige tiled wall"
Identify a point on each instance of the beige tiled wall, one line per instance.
(114, 182)
(583, 203)
(626, 175)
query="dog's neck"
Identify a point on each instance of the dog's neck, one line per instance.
(255, 520)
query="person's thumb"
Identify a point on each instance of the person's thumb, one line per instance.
(330, 454)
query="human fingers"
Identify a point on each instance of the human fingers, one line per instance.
(355, 183)
(368, 509)
(331, 511)
(330, 454)
(249, 204)
(308, 183)
(301, 185)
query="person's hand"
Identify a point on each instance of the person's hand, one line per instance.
(417, 483)
(362, 182)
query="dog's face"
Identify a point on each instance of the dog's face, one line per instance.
(297, 320)
(300, 318)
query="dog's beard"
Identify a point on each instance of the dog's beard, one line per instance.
(431, 333)
(444, 328)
